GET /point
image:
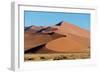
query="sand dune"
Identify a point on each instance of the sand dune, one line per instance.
(32, 40)
(76, 40)
(82, 40)
(67, 44)
(63, 37)
(66, 28)
(32, 29)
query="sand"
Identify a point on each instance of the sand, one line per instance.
(66, 28)
(66, 45)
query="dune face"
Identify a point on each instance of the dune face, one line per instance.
(82, 40)
(68, 44)
(65, 28)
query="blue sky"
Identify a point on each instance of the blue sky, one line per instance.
(40, 18)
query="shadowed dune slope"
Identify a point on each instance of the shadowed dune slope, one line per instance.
(40, 50)
(33, 40)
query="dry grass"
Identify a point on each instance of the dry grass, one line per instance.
(56, 56)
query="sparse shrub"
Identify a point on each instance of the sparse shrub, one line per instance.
(42, 58)
(30, 58)
(61, 57)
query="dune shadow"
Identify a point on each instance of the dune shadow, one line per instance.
(35, 49)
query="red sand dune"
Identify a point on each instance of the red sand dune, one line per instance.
(66, 28)
(82, 40)
(32, 40)
(66, 44)
(76, 39)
